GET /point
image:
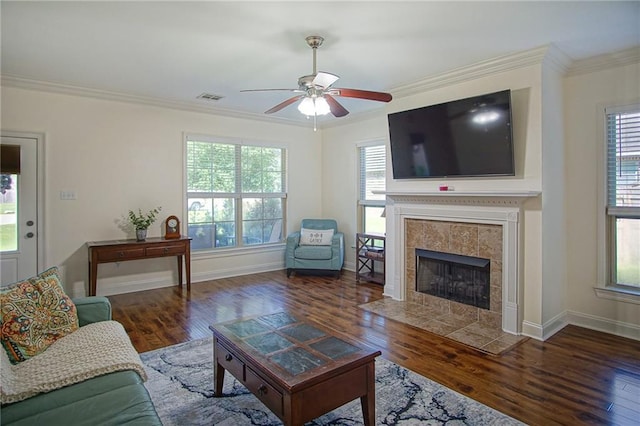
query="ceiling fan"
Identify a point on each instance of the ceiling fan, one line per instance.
(317, 93)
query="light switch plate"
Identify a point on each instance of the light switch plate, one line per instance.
(68, 195)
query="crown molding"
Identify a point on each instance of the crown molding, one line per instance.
(471, 72)
(557, 60)
(603, 62)
(548, 55)
(66, 89)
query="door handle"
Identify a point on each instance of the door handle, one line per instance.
(29, 235)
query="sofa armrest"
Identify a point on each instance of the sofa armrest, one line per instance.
(92, 309)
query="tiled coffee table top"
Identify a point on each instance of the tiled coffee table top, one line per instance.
(287, 342)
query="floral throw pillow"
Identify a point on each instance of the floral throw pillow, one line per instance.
(35, 313)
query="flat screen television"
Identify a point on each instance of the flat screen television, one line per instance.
(466, 137)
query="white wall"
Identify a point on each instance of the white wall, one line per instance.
(119, 156)
(586, 95)
(554, 248)
(340, 178)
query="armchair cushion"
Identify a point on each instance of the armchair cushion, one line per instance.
(35, 313)
(313, 252)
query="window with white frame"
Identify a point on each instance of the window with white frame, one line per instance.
(372, 179)
(236, 194)
(623, 195)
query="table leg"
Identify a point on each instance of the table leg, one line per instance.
(93, 275)
(368, 401)
(179, 270)
(218, 373)
(187, 263)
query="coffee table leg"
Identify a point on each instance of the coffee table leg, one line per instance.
(218, 372)
(368, 401)
(218, 378)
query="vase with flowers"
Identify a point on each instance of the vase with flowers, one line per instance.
(142, 221)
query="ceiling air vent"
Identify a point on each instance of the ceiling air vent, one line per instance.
(210, 97)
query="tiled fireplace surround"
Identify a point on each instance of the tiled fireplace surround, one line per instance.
(469, 239)
(482, 225)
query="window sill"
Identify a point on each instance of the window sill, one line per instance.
(619, 293)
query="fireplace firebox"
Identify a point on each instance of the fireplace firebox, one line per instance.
(463, 279)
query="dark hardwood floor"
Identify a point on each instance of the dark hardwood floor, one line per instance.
(578, 376)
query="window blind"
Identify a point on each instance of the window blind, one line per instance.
(372, 172)
(623, 162)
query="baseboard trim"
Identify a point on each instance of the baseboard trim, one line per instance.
(551, 327)
(618, 328)
(234, 272)
(121, 285)
(112, 287)
(533, 330)
(554, 325)
(546, 330)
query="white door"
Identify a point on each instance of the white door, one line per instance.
(18, 212)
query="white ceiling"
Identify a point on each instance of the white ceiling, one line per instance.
(174, 51)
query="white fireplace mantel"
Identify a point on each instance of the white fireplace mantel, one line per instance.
(521, 194)
(482, 195)
(495, 207)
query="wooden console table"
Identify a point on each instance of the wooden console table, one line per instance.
(124, 250)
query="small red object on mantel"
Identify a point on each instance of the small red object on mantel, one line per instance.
(443, 188)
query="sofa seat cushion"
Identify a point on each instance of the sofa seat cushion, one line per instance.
(66, 404)
(313, 252)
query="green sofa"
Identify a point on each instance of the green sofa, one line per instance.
(118, 398)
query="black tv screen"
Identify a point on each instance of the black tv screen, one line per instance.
(466, 137)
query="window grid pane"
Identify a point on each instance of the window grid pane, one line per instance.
(372, 178)
(9, 212)
(234, 189)
(623, 159)
(372, 172)
(628, 252)
(374, 223)
(623, 196)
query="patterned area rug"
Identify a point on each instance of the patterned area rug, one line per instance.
(181, 386)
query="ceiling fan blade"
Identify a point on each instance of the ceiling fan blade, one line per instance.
(361, 94)
(336, 109)
(324, 79)
(272, 90)
(283, 104)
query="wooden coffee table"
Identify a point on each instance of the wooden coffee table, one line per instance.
(299, 370)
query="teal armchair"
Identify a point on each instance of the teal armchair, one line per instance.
(318, 246)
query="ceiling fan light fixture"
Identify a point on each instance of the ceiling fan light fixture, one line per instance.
(312, 106)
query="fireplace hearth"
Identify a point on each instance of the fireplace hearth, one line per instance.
(463, 279)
